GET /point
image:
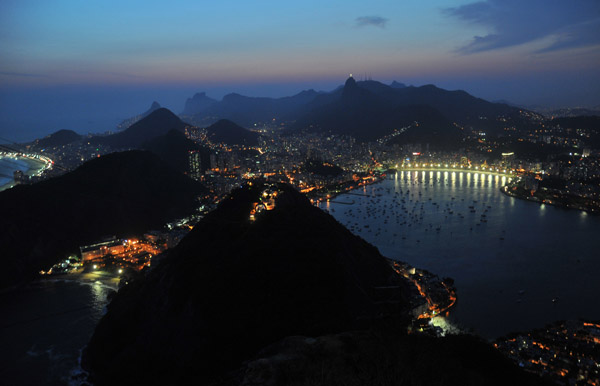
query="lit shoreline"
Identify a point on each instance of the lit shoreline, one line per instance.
(36, 165)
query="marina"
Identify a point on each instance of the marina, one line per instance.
(512, 261)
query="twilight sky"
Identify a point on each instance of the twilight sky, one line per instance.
(86, 64)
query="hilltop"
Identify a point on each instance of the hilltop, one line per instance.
(157, 123)
(225, 131)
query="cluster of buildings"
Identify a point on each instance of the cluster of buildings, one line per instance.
(430, 296)
(567, 352)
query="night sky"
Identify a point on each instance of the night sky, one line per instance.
(85, 65)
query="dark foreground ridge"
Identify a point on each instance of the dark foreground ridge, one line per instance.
(236, 290)
(121, 194)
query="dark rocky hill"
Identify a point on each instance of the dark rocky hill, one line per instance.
(59, 138)
(197, 104)
(292, 298)
(174, 148)
(371, 110)
(118, 194)
(247, 111)
(130, 121)
(225, 131)
(232, 287)
(158, 123)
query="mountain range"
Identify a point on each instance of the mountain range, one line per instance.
(367, 110)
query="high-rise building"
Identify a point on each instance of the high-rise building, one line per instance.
(195, 165)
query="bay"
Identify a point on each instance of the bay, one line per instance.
(523, 266)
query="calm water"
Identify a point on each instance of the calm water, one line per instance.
(507, 269)
(43, 328)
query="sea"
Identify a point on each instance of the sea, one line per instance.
(517, 265)
(43, 328)
(8, 166)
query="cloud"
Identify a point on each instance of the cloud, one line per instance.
(567, 23)
(375, 21)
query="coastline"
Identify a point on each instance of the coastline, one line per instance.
(557, 203)
(34, 167)
(378, 178)
(105, 278)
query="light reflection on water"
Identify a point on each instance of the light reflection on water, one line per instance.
(43, 328)
(507, 269)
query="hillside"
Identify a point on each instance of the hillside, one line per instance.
(371, 110)
(290, 298)
(233, 286)
(130, 121)
(59, 138)
(118, 194)
(197, 104)
(247, 111)
(367, 110)
(174, 148)
(158, 123)
(225, 131)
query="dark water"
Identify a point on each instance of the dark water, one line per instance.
(503, 285)
(43, 328)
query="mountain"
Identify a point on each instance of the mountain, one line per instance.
(380, 111)
(225, 131)
(157, 123)
(117, 194)
(174, 148)
(130, 121)
(370, 110)
(233, 286)
(247, 111)
(197, 104)
(292, 297)
(57, 139)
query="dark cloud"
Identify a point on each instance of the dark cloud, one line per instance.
(375, 21)
(569, 23)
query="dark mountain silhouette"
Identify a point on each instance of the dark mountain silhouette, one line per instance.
(247, 111)
(174, 148)
(197, 104)
(158, 123)
(118, 194)
(378, 109)
(59, 138)
(370, 110)
(233, 287)
(225, 131)
(130, 121)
